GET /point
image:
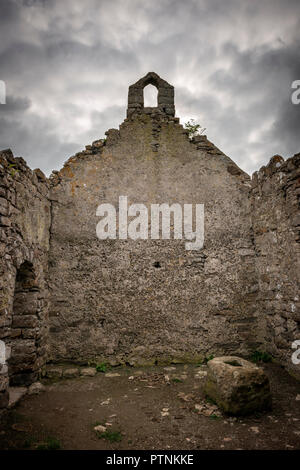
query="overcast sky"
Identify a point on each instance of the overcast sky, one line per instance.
(67, 65)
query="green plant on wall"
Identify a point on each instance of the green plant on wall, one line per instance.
(194, 128)
(258, 356)
(12, 169)
(102, 367)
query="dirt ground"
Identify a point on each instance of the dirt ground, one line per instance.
(148, 408)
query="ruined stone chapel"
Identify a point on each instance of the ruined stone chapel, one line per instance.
(68, 297)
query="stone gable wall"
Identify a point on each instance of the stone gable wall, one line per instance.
(109, 301)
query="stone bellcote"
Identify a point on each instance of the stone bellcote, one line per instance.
(165, 98)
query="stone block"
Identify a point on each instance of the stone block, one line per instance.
(21, 346)
(3, 371)
(36, 388)
(3, 206)
(29, 333)
(5, 221)
(88, 371)
(22, 360)
(25, 321)
(54, 372)
(70, 373)
(237, 386)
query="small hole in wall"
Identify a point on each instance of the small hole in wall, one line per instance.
(156, 264)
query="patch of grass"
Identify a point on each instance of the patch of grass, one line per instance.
(29, 441)
(12, 169)
(205, 360)
(210, 400)
(176, 380)
(258, 356)
(103, 367)
(208, 358)
(109, 435)
(51, 443)
(214, 417)
(193, 128)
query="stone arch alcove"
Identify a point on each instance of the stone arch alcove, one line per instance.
(165, 96)
(25, 329)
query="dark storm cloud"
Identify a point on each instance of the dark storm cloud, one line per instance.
(259, 81)
(68, 64)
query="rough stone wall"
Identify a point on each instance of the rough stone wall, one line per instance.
(151, 300)
(24, 244)
(276, 228)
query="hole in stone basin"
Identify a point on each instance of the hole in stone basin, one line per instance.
(150, 96)
(233, 363)
(156, 264)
